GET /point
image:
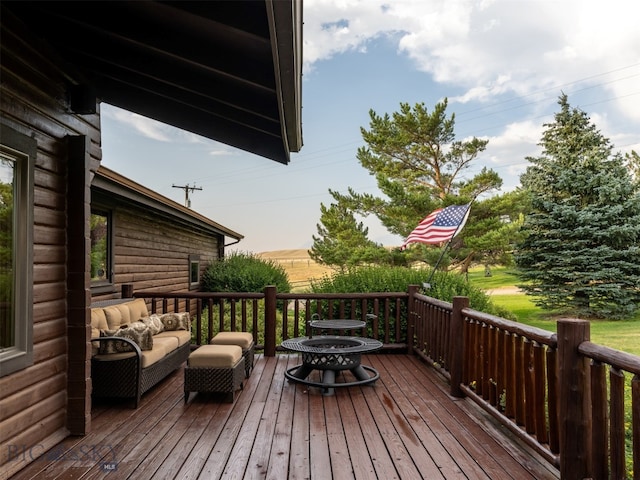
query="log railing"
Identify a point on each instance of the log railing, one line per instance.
(384, 312)
(273, 317)
(561, 394)
(594, 382)
(506, 367)
(551, 390)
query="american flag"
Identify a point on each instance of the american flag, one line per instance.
(439, 226)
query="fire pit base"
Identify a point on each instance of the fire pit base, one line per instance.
(331, 354)
(327, 384)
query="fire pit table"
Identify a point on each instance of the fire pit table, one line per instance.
(331, 354)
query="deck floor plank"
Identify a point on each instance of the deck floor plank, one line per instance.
(497, 461)
(417, 434)
(466, 443)
(405, 426)
(221, 453)
(319, 459)
(196, 461)
(139, 430)
(383, 462)
(341, 465)
(282, 436)
(362, 465)
(260, 442)
(405, 465)
(299, 456)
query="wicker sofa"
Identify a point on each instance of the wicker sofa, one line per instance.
(132, 351)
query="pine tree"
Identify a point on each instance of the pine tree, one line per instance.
(581, 253)
(342, 241)
(420, 166)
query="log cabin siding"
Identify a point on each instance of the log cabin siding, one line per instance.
(151, 238)
(34, 401)
(152, 252)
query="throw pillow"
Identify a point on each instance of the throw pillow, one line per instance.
(112, 346)
(142, 338)
(145, 337)
(176, 321)
(154, 323)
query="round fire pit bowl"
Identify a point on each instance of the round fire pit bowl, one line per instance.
(332, 354)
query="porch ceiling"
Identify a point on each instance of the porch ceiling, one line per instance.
(229, 71)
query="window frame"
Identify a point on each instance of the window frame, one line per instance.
(194, 259)
(107, 285)
(22, 150)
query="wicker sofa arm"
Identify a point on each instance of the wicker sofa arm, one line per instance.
(119, 377)
(132, 344)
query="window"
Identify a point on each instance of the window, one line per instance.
(101, 248)
(194, 272)
(17, 154)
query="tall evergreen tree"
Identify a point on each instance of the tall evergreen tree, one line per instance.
(581, 253)
(419, 166)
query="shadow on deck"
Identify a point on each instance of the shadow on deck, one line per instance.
(405, 426)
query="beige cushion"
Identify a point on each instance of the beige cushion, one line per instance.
(137, 309)
(241, 339)
(98, 322)
(114, 356)
(114, 316)
(182, 336)
(215, 356)
(167, 344)
(149, 357)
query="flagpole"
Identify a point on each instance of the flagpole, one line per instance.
(427, 284)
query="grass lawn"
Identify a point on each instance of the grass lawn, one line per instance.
(500, 277)
(619, 334)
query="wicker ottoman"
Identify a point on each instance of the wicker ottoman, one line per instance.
(243, 340)
(216, 369)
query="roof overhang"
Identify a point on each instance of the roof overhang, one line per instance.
(115, 187)
(227, 70)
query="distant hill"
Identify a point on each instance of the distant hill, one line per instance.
(294, 254)
(298, 265)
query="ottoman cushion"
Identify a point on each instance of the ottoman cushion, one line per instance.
(241, 339)
(215, 356)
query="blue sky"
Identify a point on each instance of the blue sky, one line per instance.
(501, 64)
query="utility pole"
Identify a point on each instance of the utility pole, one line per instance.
(187, 189)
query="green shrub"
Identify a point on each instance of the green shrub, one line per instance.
(444, 286)
(244, 272)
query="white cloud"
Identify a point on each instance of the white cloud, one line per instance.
(148, 127)
(143, 125)
(490, 48)
(221, 150)
(506, 152)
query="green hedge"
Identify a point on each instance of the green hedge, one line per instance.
(443, 286)
(244, 272)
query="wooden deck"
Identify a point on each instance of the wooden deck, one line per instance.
(405, 426)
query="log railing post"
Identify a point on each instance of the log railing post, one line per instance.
(270, 321)
(574, 392)
(457, 347)
(411, 317)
